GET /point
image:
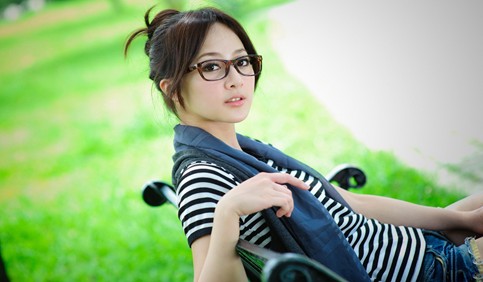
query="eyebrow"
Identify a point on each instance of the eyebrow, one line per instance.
(215, 54)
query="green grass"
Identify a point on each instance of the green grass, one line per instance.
(81, 133)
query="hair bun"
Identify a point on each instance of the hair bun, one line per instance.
(158, 20)
(151, 26)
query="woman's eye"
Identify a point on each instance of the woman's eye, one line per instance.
(243, 62)
(210, 66)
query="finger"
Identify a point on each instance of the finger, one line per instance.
(280, 212)
(284, 212)
(284, 178)
(285, 205)
(282, 188)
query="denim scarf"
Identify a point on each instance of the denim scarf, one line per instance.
(310, 230)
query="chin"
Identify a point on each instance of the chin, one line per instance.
(240, 118)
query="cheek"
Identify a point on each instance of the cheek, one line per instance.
(200, 94)
(250, 83)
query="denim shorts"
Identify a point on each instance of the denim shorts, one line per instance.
(444, 261)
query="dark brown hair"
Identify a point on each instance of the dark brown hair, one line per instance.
(174, 40)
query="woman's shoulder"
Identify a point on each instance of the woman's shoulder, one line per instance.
(198, 172)
(200, 166)
(203, 181)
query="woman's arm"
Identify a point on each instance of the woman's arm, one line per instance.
(214, 256)
(399, 212)
(218, 261)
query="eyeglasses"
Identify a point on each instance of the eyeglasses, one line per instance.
(212, 70)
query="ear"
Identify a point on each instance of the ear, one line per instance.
(164, 85)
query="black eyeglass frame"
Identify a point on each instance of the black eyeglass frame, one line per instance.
(228, 63)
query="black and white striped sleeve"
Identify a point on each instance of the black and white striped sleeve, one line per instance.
(200, 188)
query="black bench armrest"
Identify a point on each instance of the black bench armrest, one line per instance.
(269, 266)
(347, 176)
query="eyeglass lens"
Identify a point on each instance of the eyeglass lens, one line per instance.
(218, 69)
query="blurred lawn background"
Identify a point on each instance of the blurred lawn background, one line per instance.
(82, 130)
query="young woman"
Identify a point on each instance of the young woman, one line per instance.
(206, 69)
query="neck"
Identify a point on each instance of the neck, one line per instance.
(226, 132)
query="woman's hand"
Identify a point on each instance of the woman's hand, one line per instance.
(263, 191)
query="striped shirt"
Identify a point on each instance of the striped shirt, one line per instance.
(387, 252)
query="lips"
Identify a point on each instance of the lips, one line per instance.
(234, 99)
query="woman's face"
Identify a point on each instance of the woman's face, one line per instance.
(221, 102)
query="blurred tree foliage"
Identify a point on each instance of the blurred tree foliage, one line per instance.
(237, 8)
(25, 5)
(176, 4)
(5, 3)
(243, 8)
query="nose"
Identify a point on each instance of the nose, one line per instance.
(234, 79)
